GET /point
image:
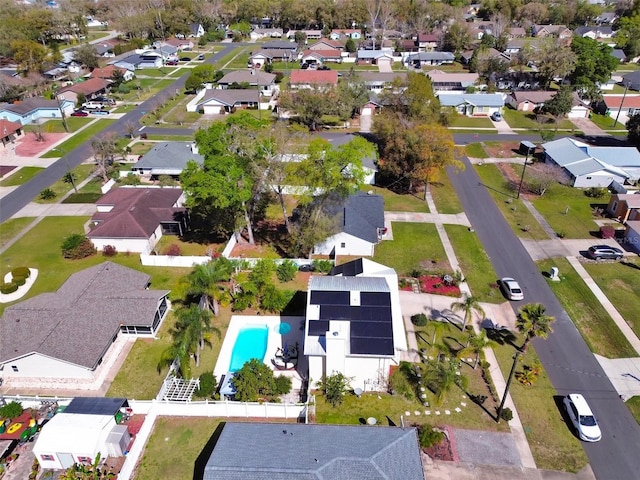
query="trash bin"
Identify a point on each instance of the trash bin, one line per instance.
(527, 148)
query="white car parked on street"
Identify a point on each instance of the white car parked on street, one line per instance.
(582, 418)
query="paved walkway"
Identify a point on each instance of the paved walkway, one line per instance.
(539, 218)
(588, 127)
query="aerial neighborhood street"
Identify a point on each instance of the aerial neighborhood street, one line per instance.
(310, 241)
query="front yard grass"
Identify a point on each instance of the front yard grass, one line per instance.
(620, 282)
(40, 248)
(605, 122)
(589, 316)
(519, 218)
(155, 72)
(78, 139)
(634, 405)
(568, 210)
(12, 227)
(552, 442)
(474, 262)
(396, 202)
(56, 126)
(20, 176)
(444, 195)
(414, 246)
(60, 187)
(475, 150)
(527, 120)
(174, 447)
(471, 122)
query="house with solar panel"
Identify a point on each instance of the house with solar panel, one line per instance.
(590, 166)
(354, 324)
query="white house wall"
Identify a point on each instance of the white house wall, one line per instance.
(368, 373)
(353, 246)
(316, 368)
(40, 366)
(132, 245)
(598, 179)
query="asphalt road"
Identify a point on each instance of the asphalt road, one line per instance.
(21, 196)
(566, 357)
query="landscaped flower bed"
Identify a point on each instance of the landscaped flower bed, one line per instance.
(435, 284)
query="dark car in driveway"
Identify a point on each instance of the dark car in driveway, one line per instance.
(604, 252)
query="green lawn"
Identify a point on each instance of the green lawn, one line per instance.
(458, 120)
(589, 316)
(568, 210)
(483, 131)
(396, 202)
(552, 442)
(174, 447)
(40, 248)
(12, 227)
(444, 195)
(20, 176)
(56, 126)
(126, 108)
(474, 263)
(522, 222)
(475, 150)
(155, 72)
(634, 405)
(60, 187)
(238, 58)
(414, 245)
(78, 139)
(605, 122)
(518, 119)
(620, 282)
(140, 148)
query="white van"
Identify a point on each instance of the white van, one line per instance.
(93, 105)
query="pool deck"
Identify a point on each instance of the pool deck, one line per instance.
(275, 340)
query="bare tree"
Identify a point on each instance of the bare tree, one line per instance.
(130, 128)
(104, 150)
(542, 176)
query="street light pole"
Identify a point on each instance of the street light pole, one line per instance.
(526, 159)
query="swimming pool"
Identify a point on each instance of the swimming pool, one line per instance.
(251, 342)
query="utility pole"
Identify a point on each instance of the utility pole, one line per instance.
(626, 87)
(506, 389)
(526, 159)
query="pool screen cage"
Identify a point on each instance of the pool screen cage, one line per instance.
(177, 389)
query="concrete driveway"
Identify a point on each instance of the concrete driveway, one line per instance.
(588, 127)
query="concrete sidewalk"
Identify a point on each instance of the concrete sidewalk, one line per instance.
(417, 304)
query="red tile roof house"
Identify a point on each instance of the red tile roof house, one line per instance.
(89, 88)
(313, 79)
(72, 337)
(106, 73)
(134, 219)
(620, 106)
(9, 131)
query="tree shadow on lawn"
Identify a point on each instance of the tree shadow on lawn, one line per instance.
(502, 336)
(479, 400)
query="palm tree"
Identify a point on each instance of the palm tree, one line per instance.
(468, 305)
(206, 280)
(444, 376)
(438, 328)
(533, 322)
(195, 326)
(477, 343)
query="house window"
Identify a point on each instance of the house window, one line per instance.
(47, 458)
(614, 207)
(14, 368)
(343, 245)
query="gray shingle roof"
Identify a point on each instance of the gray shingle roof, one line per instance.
(248, 76)
(136, 212)
(476, 99)
(174, 155)
(360, 215)
(262, 451)
(431, 56)
(230, 97)
(77, 323)
(31, 104)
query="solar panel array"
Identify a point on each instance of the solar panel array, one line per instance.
(370, 323)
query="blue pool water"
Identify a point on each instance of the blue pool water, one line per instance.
(251, 342)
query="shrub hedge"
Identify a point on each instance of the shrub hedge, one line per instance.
(20, 272)
(19, 281)
(7, 288)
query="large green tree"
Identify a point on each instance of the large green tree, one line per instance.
(253, 381)
(226, 180)
(594, 62)
(560, 104)
(633, 129)
(208, 281)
